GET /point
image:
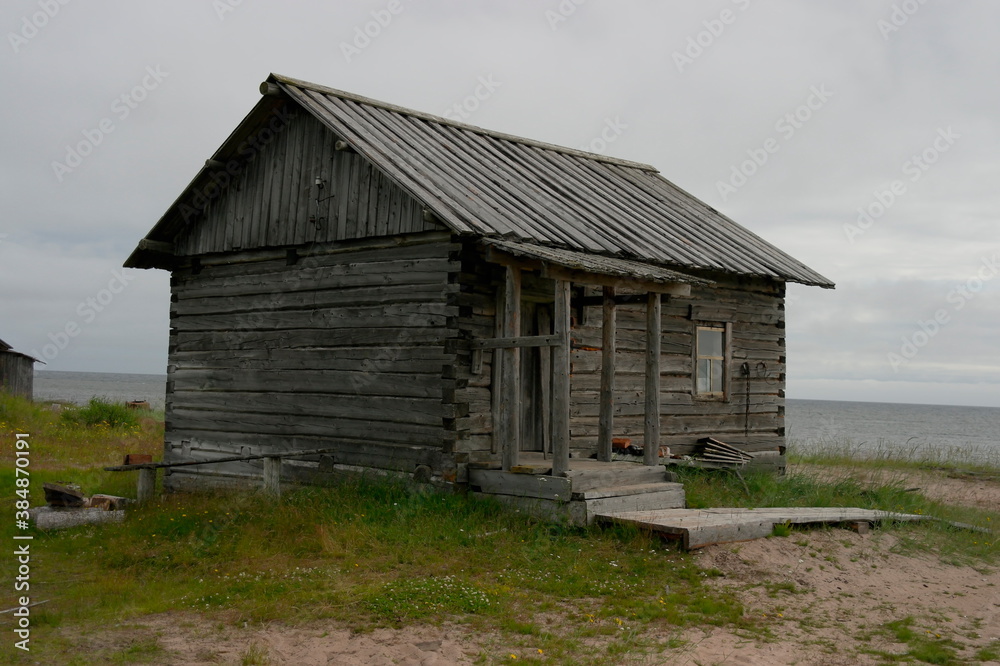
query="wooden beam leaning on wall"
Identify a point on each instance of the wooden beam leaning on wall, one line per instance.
(651, 440)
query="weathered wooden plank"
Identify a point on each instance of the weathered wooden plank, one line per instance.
(651, 433)
(421, 411)
(668, 483)
(545, 372)
(402, 315)
(703, 527)
(561, 369)
(391, 336)
(524, 485)
(286, 300)
(518, 342)
(272, 477)
(672, 497)
(510, 373)
(609, 475)
(378, 454)
(428, 359)
(311, 381)
(235, 424)
(608, 369)
(702, 426)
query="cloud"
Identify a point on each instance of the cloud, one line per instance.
(891, 96)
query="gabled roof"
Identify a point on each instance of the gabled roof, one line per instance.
(487, 184)
(7, 349)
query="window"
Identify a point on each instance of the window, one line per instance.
(710, 362)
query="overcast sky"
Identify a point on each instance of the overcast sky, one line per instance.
(858, 135)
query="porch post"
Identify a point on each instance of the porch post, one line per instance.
(608, 349)
(509, 421)
(651, 444)
(561, 380)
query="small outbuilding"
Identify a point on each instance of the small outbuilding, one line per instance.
(468, 307)
(17, 372)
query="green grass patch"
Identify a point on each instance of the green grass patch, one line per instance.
(885, 455)
(846, 488)
(922, 644)
(365, 553)
(370, 552)
(102, 412)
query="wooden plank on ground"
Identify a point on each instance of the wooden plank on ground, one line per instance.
(703, 527)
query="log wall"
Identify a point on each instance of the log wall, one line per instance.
(754, 308)
(17, 374)
(347, 347)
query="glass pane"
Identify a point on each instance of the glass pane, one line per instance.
(709, 342)
(717, 376)
(704, 373)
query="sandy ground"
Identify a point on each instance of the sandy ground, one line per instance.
(827, 592)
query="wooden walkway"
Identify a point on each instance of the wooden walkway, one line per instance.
(703, 527)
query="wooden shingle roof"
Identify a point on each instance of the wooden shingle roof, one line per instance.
(491, 185)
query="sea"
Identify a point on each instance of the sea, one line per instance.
(936, 433)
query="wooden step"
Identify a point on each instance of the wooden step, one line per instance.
(618, 491)
(622, 474)
(702, 527)
(654, 501)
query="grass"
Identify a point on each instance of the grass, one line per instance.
(923, 645)
(365, 553)
(885, 454)
(845, 486)
(370, 553)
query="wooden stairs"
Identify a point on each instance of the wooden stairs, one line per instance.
(588, 490)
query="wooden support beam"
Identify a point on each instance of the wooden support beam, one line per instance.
(554, 271)
(156, 246)
(268, 88)
(272, 476)
(679, 289)
(510, 371)
(147, 485)
(561, 380)
(651, 443)
(608, 353)
(545, 363)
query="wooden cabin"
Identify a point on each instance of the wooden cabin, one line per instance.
(468, 307)
(17, 372)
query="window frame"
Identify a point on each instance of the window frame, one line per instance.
(722, 395)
